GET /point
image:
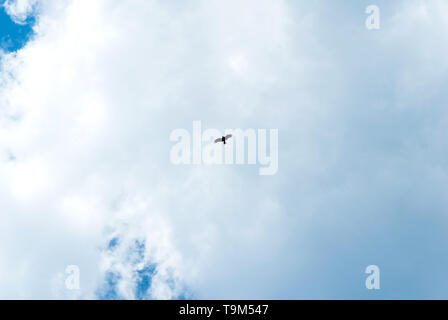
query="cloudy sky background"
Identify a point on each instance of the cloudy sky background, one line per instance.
(87, 105)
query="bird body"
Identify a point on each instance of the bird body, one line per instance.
(223, 139)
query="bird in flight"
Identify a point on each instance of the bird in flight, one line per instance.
(223, 139)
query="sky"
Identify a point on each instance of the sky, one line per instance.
(90, 92)
(13, 35)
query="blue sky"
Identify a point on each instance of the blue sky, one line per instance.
(13, 35)
(87, 108)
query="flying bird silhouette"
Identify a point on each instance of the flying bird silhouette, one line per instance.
(223, 139)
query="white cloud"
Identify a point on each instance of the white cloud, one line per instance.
(19, 10)
(85, 123)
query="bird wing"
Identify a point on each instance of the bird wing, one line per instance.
(228, 136)
(218, 140)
